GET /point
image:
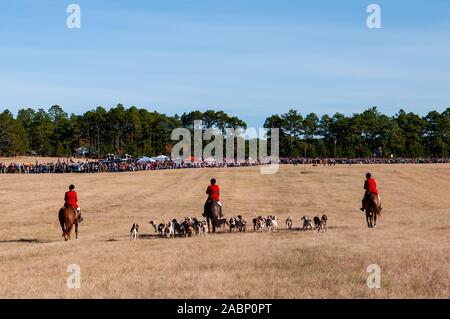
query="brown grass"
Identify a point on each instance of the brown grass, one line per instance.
(411, 243)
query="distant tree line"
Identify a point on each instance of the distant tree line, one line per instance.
(119, 130)
(137, 131)
(365, 134)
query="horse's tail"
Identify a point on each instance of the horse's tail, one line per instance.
(377, 211)
(214, 213)
(215, 219)
(376, 204)
(61, 219)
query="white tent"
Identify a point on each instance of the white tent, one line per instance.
(145, 159)
(161, 158)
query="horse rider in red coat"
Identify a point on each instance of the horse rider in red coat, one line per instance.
(213, 191)
(71, 199)
(370, 186)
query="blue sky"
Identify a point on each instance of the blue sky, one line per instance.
(249, 58)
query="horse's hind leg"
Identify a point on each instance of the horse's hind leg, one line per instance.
(69, 230)
(66, 235)
(63, 232)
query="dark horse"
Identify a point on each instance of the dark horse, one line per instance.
(68, 217)
(212, 214)
(371, 206)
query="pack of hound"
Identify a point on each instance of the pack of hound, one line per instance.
(238, 223)
(269, 223)
(189, 227)
(319, 224)
(183, 228)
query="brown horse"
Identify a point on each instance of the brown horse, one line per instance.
(68, 217)
(371, 206)
(212, 214)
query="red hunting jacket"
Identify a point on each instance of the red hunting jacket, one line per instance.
(71, 199)
(370, 186)
(213, 192)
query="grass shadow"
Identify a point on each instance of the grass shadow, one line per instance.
(141, 236)
(224, 232)
(24, 240)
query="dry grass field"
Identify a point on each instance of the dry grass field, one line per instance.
(411, 243)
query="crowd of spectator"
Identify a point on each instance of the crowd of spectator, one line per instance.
(371, 160)
(109, 166)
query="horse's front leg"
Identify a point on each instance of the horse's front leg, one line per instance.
(209, 225)
(76, 230)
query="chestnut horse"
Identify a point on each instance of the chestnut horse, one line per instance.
(371, 206)
(68, 217)
(212, 214)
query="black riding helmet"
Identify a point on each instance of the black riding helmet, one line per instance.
(71, 187)
(213, 181)
(368, 175)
